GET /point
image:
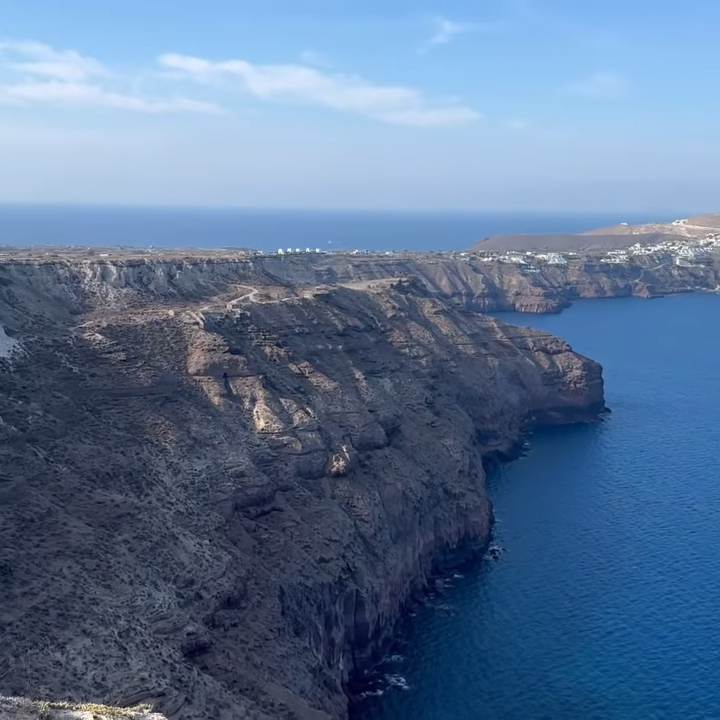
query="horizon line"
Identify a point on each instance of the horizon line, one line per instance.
(340, 210)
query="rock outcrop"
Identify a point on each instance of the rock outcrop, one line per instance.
(24, 709)
(219, 486)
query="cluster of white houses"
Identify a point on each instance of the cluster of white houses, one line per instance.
(297, 251)
(683, 251)
(526, 259)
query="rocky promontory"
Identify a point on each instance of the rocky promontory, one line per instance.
(223, 478)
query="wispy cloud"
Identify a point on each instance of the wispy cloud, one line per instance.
(32, 73)
(445, 31)
(66, 93)
(349, 93)
(35, 59)
(600, 86)
(44, 75)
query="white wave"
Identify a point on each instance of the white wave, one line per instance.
(398, 681)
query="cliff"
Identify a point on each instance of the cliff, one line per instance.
(487, 285)
(212, 279)
(221, 480)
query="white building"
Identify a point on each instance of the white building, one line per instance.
(616, 257)
(553, 258)
(514, 258)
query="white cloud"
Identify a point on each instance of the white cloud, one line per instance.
(67, 93)
(600, 86)
(446, 30)
(298, 83)
(37, 74)
(34, 58)
(44, 75)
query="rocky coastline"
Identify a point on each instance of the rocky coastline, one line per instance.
(465, 556)
(235, 473)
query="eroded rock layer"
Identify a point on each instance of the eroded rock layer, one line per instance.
(219, 487)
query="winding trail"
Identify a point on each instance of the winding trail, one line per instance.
(251, 296)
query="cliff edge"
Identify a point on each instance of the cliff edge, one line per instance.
(218, 489)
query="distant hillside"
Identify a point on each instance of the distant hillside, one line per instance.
(608, 240)
(711, 220)
(618, 236)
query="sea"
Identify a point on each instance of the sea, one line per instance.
(604, 602)
(270, 230)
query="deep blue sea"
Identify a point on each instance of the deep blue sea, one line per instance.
(269, 230)
(606, 603)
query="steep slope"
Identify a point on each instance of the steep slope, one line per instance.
(216, 495)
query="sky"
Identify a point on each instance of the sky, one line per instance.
(501, 105)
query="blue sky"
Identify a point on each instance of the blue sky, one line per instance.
(494, 105)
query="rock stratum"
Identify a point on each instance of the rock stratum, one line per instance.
(222, 479)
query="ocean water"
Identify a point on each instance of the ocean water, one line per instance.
(269, 230)
(605, 603)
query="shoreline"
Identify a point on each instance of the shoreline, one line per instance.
(467, 555)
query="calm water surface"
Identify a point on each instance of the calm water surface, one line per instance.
(606, 605)
(269, 230)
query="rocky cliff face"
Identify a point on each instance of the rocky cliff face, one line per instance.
(219, 486)
(487, 286)
(478, 284)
